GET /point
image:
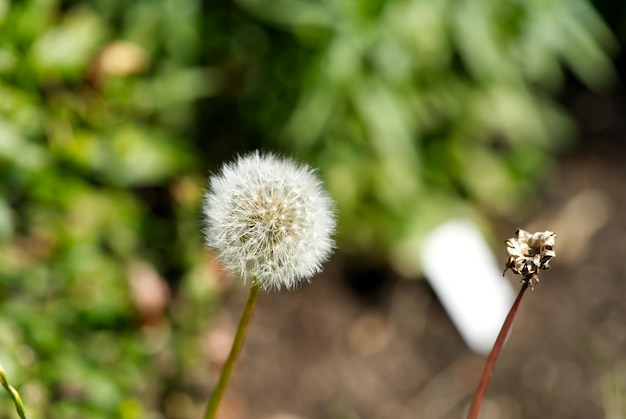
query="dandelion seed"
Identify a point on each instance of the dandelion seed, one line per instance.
(269, 220)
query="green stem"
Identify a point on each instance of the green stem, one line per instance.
(17, 400)
(227, 370)
(493, 356)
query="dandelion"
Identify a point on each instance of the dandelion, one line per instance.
(528, 255)
(270, 222)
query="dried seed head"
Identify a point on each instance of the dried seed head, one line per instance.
(530, 253)
(269, 220)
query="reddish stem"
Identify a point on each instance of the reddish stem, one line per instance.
(493, 356)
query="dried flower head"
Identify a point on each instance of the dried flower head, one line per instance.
(269, 220)
(530, 253)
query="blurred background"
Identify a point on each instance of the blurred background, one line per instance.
(112, 114)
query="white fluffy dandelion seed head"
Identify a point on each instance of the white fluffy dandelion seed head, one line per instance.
(269, 220)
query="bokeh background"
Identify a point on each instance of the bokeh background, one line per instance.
(112, 114)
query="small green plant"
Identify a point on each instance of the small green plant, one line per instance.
(15, 396)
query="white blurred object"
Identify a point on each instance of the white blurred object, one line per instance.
(466, 277)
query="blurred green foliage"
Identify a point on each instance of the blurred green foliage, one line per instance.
(111, 112)
(99, 175)
(417, 111)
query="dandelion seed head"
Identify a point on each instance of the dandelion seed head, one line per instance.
(269, 220)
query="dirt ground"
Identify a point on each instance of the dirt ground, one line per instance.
(370, 345)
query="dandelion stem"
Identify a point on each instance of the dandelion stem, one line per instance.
(493, 356)
(17, 400)
(227, 370)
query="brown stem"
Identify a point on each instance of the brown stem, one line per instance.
(493, 356)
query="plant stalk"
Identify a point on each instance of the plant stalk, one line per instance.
(15, 396)
(227, 370)
(493, 356)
